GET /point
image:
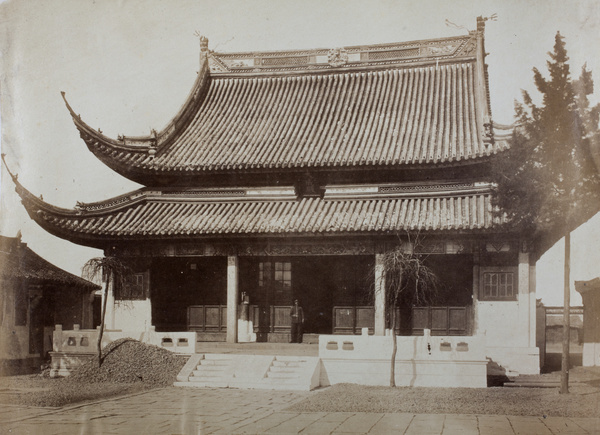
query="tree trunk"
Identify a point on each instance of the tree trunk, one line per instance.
(103, 319)
(564, 373)
(394, 349)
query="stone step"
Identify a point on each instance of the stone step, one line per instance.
(208, 384)
(260, 372)
(217, 357)
(212, 368)
(215, 362)
(287, 363)
(275, 369)
(208, 374)
(290, 358)
(283, 375)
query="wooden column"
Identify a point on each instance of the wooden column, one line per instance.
(232, 298)
(379, 295)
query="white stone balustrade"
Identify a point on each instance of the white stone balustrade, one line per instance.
(73, 347)
(438, 361)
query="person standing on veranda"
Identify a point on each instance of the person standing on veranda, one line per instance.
(297, 315)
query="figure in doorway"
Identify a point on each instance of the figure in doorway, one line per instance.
(297, 316)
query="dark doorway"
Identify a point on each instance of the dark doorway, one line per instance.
(319, 283)
(323, 283)
(177, 283)
(448, 311)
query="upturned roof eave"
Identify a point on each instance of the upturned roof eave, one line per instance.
(94, 138)
(180, 176)
(132, 156)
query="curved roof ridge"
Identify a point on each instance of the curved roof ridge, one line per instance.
(343, 58)
(169, 218)
(95, 140)
(241, 116)
(36, 205)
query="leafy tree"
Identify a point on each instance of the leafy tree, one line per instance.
(406, 279)
(113, 272)
(548, 183)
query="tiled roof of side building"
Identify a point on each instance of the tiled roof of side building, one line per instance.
(389, 105)
(358, 210)
(19, 262)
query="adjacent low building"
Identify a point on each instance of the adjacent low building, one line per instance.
(286, 175)
(590, 293)
(35, 295)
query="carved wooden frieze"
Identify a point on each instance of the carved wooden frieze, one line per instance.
(247, 249)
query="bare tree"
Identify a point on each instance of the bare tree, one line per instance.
(111, 271)
(406, 278)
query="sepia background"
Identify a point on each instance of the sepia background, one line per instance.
(127, 67)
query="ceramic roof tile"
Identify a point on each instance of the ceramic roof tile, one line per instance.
(170, 217)
(402, 115)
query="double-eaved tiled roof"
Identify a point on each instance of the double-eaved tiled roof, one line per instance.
(343, 210)
(381, 106)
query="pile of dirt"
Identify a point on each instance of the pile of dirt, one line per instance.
(129, 361)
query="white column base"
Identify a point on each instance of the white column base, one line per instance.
(591, 354)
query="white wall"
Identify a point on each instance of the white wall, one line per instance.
(132, 315)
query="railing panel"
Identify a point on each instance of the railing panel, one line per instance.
(196, 317)
(343, 322)
(457, 320)
(212, 318)
(420, 319)
(281, 321)
(223, 323)
(207, 318)
(365, 318)
(351, 320)
(439, 320)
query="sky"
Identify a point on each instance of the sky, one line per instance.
(127, 66)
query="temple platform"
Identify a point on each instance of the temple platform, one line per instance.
(282, 349)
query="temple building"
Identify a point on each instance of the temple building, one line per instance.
(287, 174)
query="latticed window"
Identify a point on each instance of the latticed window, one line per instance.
(283, 276)
(134, 288)
(278, 273)
(499, 286)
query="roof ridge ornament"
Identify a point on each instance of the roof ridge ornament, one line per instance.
(15, 177)
(337, 57)
(203, 41)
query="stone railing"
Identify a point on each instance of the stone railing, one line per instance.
(72, 348)
(432, 361)
(426, 347)
(85, 340)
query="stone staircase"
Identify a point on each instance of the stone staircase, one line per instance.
(251, 372)
(213, 370)
(289, 373)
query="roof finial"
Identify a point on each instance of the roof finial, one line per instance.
(481, 21)
(203, 42)
(14, 177)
